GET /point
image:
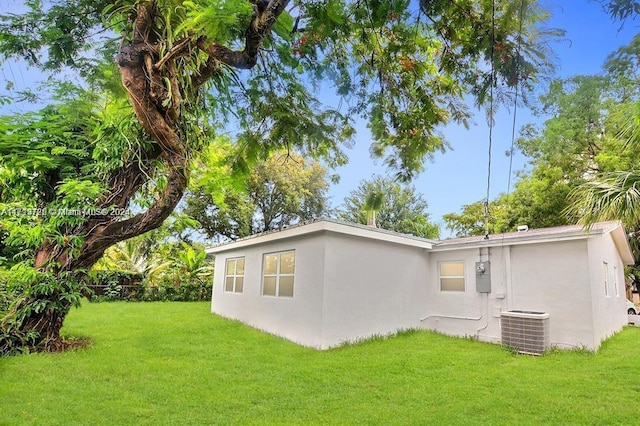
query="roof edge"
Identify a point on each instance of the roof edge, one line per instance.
(324, 224)
(560, 233)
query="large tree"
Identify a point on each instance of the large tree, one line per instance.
(398, 207)
(613, 192)
(185, 68)
(280, 191)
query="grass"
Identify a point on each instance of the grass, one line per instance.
(175, 363)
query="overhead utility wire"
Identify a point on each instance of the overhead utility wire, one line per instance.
(515, 100)
(492, 79)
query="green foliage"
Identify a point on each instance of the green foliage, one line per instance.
(408, 76)
(7, 295)
(131, 257)
(40, 295)
(278, 192)
(111, 285)
(398, 207)
(583, 159)
(55, 36)
(165, 271)
(622, 9)
(189, 279)
(219, 20)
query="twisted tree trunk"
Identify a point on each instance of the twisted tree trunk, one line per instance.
(37, 319)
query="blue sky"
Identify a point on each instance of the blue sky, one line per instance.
(459, 176)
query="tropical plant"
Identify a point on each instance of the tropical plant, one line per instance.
(373, 203)
(128, 256)
(192, 265)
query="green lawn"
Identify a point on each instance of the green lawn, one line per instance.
(175, 363)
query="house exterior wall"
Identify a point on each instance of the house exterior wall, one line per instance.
(609, 310)
(297, 318)
(354, 284)
(371, 288)
(468, 313)
(553, 277)
(529, 277)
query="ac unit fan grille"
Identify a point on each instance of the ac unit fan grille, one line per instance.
(527, 332)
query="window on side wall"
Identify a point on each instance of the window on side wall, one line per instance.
(278, 271)
(615, 281)
(605, 277)
(451, 276)
(234, 275)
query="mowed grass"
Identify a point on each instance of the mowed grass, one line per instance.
(175, 363)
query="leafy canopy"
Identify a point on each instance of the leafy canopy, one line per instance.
(280, 191)
(398, 207)
(583, 158)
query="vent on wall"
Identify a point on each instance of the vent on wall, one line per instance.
(526, 331)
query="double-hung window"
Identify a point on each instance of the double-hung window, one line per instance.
(234, 275)
(278, 271)
(451, 276)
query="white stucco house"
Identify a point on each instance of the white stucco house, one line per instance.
(327, 282)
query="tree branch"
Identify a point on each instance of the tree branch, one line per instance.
(259, 28)
(181, 48)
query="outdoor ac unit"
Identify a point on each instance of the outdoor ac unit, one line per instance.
(526, 331)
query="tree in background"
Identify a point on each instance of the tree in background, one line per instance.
(613, 192)
(583, 159)
(401, 209)
(538, 199)
(283, 190)
(182, 69)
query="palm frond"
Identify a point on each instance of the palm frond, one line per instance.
(613, 196)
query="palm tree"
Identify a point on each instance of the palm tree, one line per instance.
(372, 204)
(128, 256)
(612, 196)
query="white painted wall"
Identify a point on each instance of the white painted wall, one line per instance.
(609, 312)
(371, 288)
(349, 287)
(468, 313)
(553, 277)
(299, 318)
(562, 278)
(346, 289)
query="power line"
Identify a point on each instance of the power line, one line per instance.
(515, 98)
(491, 121)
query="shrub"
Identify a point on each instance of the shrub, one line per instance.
(176, 288)
(7, 293)
(105, 286)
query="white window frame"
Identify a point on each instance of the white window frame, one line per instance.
(605, 273)
(234, 275)
(615, 281)
(463, 276)
(278, 273)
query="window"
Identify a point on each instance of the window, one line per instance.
(605, 274)
(615, 281)
(234, 275)
(452, 276)
(277, 274)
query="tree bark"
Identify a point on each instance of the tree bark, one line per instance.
(143, 75)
